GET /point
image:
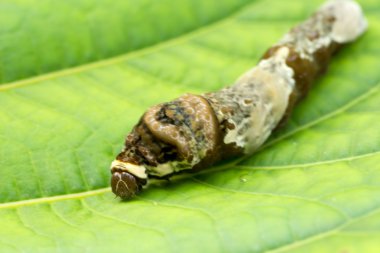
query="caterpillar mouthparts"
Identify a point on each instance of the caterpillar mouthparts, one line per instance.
(193, 132)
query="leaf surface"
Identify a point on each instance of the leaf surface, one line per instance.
(38, 37)
(313, 187)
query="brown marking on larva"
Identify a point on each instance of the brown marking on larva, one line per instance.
(227, 110)
(305, 71)
(170, 126)
(230, 126)
(168, 133)
(181, 130)
(248, 101)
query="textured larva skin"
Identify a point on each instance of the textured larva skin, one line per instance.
(195, 131)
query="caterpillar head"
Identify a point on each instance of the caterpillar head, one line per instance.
(169, 138)
(127, 179)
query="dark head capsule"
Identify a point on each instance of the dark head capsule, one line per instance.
(127, 179)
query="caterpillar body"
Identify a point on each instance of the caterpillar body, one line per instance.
(195, 131)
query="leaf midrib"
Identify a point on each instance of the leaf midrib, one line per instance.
(282, 248)
(300, 165)
(50, 199)
(319, 236)
(90, 193)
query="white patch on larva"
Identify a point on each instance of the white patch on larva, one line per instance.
(136, 170)
(168, 168)
(233, 135)
(271, 82)
(350, 22)
(161, 169)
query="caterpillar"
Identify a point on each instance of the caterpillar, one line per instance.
(193, 132)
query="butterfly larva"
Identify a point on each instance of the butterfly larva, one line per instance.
(195, 131)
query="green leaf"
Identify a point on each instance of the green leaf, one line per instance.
(37, 37)
(313, 187)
